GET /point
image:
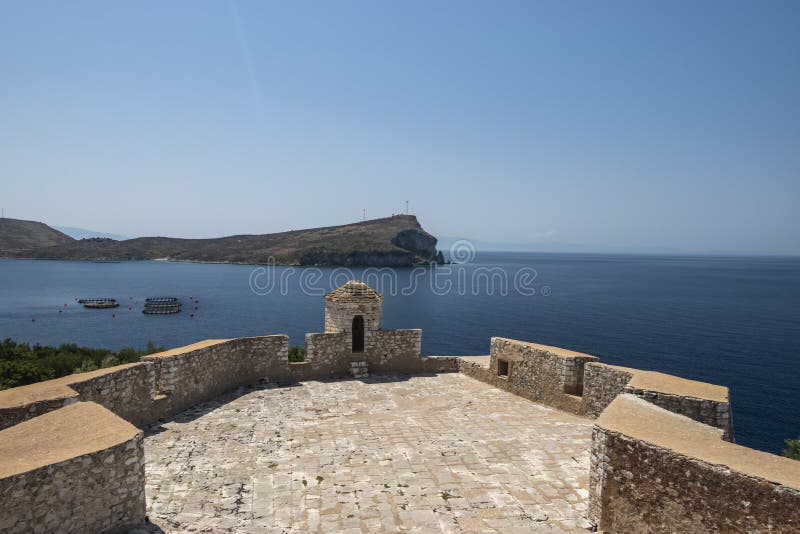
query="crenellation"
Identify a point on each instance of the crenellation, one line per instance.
(648, 427)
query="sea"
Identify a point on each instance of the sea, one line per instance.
(733, 321)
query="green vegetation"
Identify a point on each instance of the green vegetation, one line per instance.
(792, 449)
(297, 353)
(22, 364)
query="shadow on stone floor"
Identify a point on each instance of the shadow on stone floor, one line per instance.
(206, 407)
(147, 528)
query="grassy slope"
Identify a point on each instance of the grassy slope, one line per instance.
(371, 241)
(25, 235)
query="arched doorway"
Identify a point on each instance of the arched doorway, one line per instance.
(358, 333)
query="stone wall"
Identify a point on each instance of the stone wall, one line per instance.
(656, 471)
(162, 384)
(440, 364)
(537, 372)
(329, 354)
(77, 469)
(339, 316)
(205, 370)
(476, 369)
(14, 414)
(397, 351)
(601, 385)
(128, 391)
(706, 403)
(124, 389)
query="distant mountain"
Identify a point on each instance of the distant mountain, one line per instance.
(83, 233)
(17, 236)
(393, 241)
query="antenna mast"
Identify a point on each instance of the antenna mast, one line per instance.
(364, 216)
(406, 207)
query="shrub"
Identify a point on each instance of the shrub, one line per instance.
(792, 449)
(86, 366)
(297, 353)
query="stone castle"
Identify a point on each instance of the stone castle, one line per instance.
(366, 435)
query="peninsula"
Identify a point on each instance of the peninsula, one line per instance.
(396, 241)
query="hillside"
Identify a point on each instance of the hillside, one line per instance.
(17, 235)
(392, 241)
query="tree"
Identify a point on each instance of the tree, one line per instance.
(22, 364)
(15, 373)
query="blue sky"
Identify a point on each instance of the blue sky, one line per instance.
(657, 124)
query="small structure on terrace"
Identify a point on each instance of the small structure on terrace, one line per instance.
(354, 341)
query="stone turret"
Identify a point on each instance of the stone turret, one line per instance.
(354, 299)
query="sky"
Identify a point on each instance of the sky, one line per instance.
(605, 124)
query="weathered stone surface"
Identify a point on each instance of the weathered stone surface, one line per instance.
(78, 469)
(193, 374)
(537, 372)
(656, 471)
(124, 389)
(389, 453)
(705, 403)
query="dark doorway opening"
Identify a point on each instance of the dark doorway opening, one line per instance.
(358, 334)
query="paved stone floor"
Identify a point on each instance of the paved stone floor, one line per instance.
(439, 453)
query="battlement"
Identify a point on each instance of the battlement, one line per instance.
(662, 451)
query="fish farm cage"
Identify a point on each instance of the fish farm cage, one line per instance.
(161, 305)
(99, 303)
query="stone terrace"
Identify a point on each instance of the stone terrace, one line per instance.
(422, 453)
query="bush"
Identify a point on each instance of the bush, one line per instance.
(297, 353)
(21, 364)
(792, 449)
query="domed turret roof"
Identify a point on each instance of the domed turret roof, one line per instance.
(354, 291)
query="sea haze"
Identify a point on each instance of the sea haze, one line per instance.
(727, 320)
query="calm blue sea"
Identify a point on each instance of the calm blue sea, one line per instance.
(729, 320)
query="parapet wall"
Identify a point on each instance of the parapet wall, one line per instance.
(162, 384)
(656, 471)
(397, 351)
(705, 403)
(540, 373)
(660, 461)
(207, 369)
(127, 390)
(657, 447)
(579, 383)
(78, 469)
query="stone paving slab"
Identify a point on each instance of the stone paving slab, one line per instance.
(420, 454)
